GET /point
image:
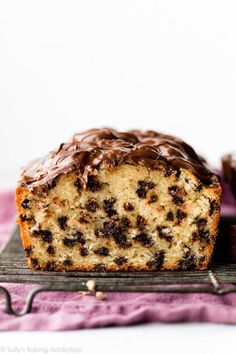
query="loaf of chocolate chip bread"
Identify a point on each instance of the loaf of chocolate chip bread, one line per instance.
(110, 201)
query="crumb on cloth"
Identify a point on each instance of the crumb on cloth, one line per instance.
(91, 286)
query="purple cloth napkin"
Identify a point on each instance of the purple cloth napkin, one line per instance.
(66, 311)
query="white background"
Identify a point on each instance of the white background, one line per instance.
(165, 65)
(70, 65)
(146, 339)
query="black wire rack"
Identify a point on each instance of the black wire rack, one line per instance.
(220, 279)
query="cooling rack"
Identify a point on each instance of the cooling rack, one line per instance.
(220, 279)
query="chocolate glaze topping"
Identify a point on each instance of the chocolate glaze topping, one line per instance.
(86, 151)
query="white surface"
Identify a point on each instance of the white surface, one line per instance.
(70, 65)
(184, 339)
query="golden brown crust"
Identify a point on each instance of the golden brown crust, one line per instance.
(21, 194)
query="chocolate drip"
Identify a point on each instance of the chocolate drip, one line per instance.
(86, 151)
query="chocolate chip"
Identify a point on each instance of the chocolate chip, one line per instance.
(188, 262)
(93, 183)
(199, 187)
(24, 217)
(108, 203)
(46, 236)
(102, 251)
(50, 266)
(28, 251)
(175, 192)
(52, 184)
(124, 224)
(80, 237)
(25, 203)
(83, 251)
(82, 220)
(153, 199)
(202, 259)
(108, 207)
(78, 184)
(141, 222)
(150, 185)
(144, 239)
(143, 188)
(214, 206)
(67, 262)
(195, 236)
(202, 235)
(62, 222)
(180, 215)
(200, 222)
(169, 171)
(142, 193)
(116, 230)
(120, 260)
(110, 228)
(177, 200)
(158, 260)
(170, 216)
(163, 233)
(91, 205)
(177, 173)
(51, 250)
(36, 233)
(34, 263)
(121, 240)
(111, 213)
(99, 268)
(73, 238)
(128, 206)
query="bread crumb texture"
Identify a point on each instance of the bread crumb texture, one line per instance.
(127, 218)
